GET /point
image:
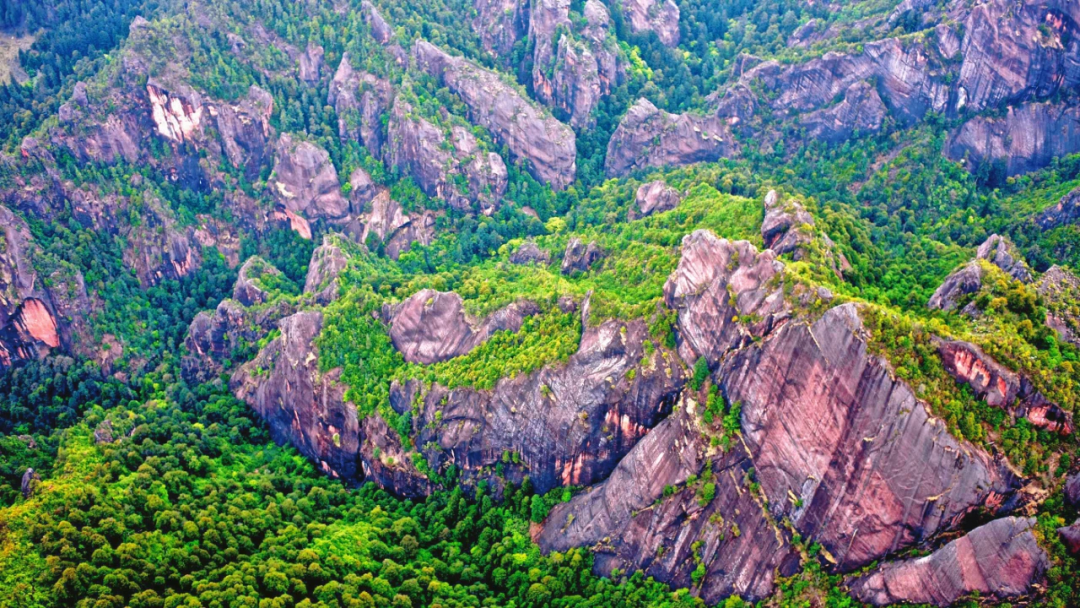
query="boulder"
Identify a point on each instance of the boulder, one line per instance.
(658, 16)
(580, 257)
(530, 253)
(305, 182)
(1066, 211)
(29, 484)
(546, 144)
(1000, 387)
(432, 326)
(711, 319)
(999, 560)
(656, 197)
(649, 137)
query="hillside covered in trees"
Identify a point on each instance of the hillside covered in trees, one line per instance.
(447, 303)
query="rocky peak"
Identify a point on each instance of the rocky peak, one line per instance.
(500, 23)
(380, 29)
(997, 250)
(546, 144)
(310, 66)
(393, 228)
(1001, 252)
(305, 182)
(432, 326)
(327, 262)
(725, 293)
(248, 289)
(1066, 211)
(245, 130)
(650, 137)
(1060, 290)
(786, 226)
(530, 253)
(580, 256)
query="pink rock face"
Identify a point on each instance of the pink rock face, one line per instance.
(716, 284)
(306, 182)
(656, 197)
(38, 322)
(826, 424)
(432, 326)
(177, 116)
(1002, 388)
(1070, 537)
(1000, 560)
(660, 16)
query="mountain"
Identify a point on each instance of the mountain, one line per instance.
(540, 303)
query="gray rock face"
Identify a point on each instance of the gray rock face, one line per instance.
(1001, 252)
(1002, 388)
(500, 24)
(1060, 290)
(214, 337)
(360, 100)
(997, 250)
(786, 226)
(1070, 537)
(302, 406)
(870, 471)
(631, 525)
(1026, 138)
(656, 197)
(712, 321)
(305, 182)
(380, 29)
(659, 16)
(547, 144)
(245, 130)
(649, 137)
(30, 481)
(569, 423)
(1066, 211)
(999, 560)
(437, 165)
(530, 253)
(861, 111)
(248, 290)
(396, 231)
(580, 257)
(310, 66)
(327, 262)
(432, 326)
(1072, 490)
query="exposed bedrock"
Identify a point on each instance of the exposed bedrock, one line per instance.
(650, 137)
(999, 560)
(968, 279)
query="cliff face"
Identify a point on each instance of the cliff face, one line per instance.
(513, 120)
(650, 137)
(360, 99)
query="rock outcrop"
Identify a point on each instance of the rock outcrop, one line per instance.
(656, 197)
(360, 99)
(29, 484)
(861, 112)
(711, 320)
(1026, 138)
(302, 406)
(248, 289)
(1000, 387)
(454, 169)
(37, 313)
(999, 560)
(545, 143)
(1059, 289)
(787, 226)
(997, 250)
(530, 253)
(846, 452)
(659, 16)
(305, 183)
(245, 130)
(386, 225)
(226, 335)
(500, 24)
(1070, 537)
(649, 137)
(432, 326)
(1072, 490)
(580, 256)
(380, 29)
(1066, 211)
(327, 262)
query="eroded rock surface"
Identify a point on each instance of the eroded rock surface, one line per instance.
(861, 112)
(1026, 138)
(327, 262)
(999, 560)
(656, 197)
(580, 256)
(787, 226)
(305, 181)
(360, 99)
(659, 16)
(530, 253)
(248, 289)
(650, 137)
(1066, 211)
(1070, 537)
(1000, 387)
(997, 250)
(513, 120)
(432, 326)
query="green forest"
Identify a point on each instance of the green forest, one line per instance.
(129, 480)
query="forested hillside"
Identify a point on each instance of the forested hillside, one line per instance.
(447, 303)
